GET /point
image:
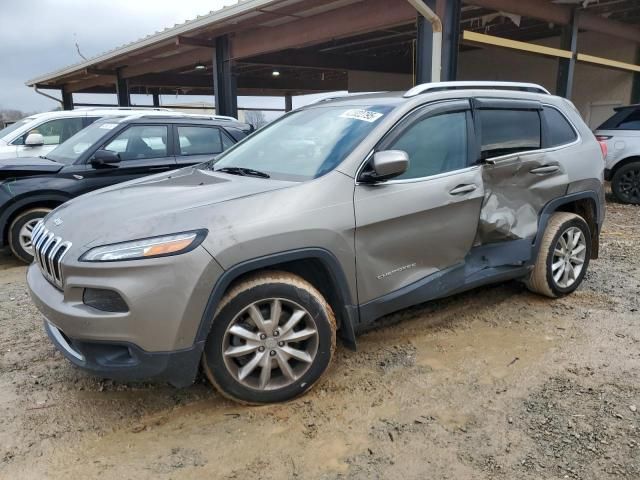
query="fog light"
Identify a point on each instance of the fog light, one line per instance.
(104, 300)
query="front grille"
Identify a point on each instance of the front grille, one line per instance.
(48, 252)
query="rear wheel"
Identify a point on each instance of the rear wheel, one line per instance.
(625, 183)
(563, 257)
(20, 232)
(272, 338)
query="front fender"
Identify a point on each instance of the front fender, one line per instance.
(349, 315)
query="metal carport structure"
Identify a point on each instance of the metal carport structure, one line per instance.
(321, 45)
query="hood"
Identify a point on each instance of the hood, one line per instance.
(157, 205)
(26, 167)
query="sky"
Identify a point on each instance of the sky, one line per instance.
(40, 36)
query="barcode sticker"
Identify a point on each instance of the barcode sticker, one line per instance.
(364, 115)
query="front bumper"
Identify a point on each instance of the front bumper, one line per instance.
(127, 362)
(155, 338)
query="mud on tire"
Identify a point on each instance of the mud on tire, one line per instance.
(560, 266)
(273, 336)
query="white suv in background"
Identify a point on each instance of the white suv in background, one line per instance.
(621, 133)
(38, 134)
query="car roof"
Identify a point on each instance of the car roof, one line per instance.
(627, 107)
(441, 90)
(177, 117)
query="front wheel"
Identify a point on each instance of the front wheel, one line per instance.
(272, 338)
(20, 232)
(625, 183)
(563, 257)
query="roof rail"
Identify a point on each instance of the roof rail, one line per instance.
(440, 86)
(91, 109)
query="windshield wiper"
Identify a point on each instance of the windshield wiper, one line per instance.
(245, 172)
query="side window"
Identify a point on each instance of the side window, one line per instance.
(560, 131)
(140, 142)
(200, 140)
(435, 145)
(508, 131)
(631, 122)
(55, 132)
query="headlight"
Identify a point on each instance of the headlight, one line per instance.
(146, 248)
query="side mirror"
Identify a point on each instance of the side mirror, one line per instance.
(386, 165)
(34, 140)
(104, 158)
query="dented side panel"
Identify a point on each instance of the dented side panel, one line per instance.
(406, 231)
(516, 189)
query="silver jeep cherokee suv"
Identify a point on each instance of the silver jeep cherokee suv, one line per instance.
(322, 222)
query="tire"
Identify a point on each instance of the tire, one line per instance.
(548, 276)
(239, 355)
(625, 183)
(25, 220)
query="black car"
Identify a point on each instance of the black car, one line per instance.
(110, 151)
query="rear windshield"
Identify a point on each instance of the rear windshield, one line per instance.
(625, 119)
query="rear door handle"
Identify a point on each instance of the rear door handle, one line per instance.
(462, 189)
(545, 170)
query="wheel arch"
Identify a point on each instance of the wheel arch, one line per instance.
(316, 265)
(27, 203)
(586, 205)
(620, 164)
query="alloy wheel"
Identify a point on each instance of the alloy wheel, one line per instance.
(568, 257)
(25, 234)
(629, 185)
(270, 344)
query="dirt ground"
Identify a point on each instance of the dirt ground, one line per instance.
(497, 383)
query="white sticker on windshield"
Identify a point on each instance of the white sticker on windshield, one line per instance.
(364, 115)
(109, 126)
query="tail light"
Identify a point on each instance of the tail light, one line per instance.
(602, 140)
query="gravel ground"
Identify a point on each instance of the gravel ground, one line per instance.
(497, 383)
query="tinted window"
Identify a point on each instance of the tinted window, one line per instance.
(434, 145)
(55, 132)
(140, 142)
(560, 130)
(625, 119)
(200, 140)
(508, 131)
(631, 122)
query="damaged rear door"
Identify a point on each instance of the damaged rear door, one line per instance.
(425, 220)
(520, 175)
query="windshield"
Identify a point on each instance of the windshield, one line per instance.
(71, 150)
(305, 144)
(14, 126)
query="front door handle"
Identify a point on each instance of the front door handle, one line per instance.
(545, 170)
(462, 189)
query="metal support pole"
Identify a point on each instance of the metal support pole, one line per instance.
(156, 99)
(67, 100)
(450, 38)
(635, 89)
(449, 12)
(424, 49)
(122, 90)
(567, 66)
(288, 102)
(224, 83)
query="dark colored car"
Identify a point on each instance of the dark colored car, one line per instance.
(110, 151)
